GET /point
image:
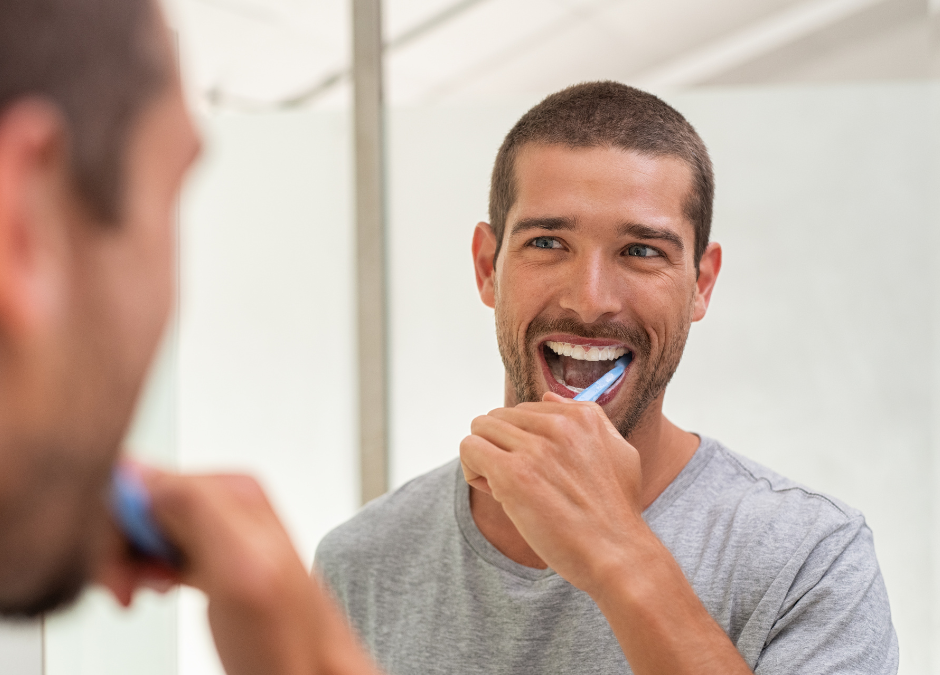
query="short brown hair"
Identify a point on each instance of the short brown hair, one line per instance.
(611, 114)
(99, 62)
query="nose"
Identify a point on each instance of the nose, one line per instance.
(591, 290)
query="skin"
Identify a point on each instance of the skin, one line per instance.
(82, 307)
(555, 483)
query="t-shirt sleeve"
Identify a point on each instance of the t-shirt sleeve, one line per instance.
(835, 617)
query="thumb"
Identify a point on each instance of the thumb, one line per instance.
(552, 397)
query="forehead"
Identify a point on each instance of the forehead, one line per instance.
(601, 185)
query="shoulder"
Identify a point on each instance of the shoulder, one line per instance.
(392, 522)
(746, 519)
(761, 493)
(821, 602)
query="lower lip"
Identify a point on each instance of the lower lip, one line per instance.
(556, 387)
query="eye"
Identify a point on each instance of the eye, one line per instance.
(545, 242)
(641, 251)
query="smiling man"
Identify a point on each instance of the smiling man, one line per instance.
(600, 537)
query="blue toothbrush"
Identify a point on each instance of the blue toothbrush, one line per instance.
(594, 392)
(130, 504)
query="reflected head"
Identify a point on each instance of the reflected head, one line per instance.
(98, 62)
(94, 141)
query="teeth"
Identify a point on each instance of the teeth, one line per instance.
(590, 354)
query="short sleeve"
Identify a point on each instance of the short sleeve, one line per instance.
(835, 618)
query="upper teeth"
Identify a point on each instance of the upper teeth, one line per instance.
(586, 354)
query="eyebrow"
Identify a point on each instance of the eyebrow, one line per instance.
(627, 229)
(550, 224)
(648, 232)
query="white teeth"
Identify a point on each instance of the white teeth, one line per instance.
(589, 354)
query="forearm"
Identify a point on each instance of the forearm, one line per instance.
(268, 616)
(658, 619)
(296, 631)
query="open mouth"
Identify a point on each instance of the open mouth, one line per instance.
(573, 366)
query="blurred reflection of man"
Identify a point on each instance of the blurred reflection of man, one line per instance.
(573, 550)
(94, 141)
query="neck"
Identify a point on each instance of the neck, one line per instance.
(664, 451)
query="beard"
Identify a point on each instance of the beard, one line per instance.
(523, 367)
(59, 590)
(52, 527)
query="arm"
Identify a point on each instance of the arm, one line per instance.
(571, 484)
(267, 615)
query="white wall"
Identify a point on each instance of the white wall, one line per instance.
(266, 371)
(21, 649)
(819, 354)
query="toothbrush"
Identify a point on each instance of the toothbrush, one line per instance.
(130, 504)
(594, 392)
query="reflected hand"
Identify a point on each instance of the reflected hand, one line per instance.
(267, 615)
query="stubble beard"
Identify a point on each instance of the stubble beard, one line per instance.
(523, 368)
(58, 515)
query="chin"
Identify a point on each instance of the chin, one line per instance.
(56, 592)
(50, 541)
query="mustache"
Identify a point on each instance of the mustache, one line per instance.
(608, 330)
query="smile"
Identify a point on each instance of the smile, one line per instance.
(576, 365)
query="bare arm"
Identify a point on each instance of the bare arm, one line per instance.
(266, 613)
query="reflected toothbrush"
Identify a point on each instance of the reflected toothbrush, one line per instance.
(595, 391)
(130, 505)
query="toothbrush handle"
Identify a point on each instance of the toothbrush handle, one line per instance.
(130, 505)
(595, 391)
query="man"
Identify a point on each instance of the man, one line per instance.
(94, 142)
(601, 538)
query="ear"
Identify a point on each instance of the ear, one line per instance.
(32, 238)
(708, 269)
(484, 249)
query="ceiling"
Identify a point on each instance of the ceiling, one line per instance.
(263, 54)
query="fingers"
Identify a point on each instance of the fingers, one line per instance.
(504, 429)
(481, 461)
(552, 397)
(555, 416)
(231, 540)
(122, 572)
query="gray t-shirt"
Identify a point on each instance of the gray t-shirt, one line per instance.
(788, 573)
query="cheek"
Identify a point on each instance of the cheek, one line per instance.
(147, 275)
(663, 310)
(160, 285)
(524, 292)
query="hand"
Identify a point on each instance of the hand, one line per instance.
(267, 615)
(571, 485)
(565, 477)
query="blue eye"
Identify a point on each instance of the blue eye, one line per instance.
(545, 242)
(641, 251)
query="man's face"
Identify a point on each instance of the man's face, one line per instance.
(84, 364)
(597, 261)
